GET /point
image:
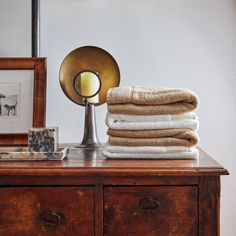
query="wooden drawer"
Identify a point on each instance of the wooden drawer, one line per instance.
(47, 211)
(152, 211)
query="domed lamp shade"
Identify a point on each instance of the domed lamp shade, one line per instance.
(85, 76)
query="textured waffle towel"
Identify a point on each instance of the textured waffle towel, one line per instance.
(142, 100)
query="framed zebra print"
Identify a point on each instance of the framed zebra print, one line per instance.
(22, 98)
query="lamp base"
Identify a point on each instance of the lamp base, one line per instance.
(94, 145)
(90, 139)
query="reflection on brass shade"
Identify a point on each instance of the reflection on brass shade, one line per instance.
(93, 59)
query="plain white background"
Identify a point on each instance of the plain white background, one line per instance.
(171, 43)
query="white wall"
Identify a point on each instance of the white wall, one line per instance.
(15, 28)
(184, 43)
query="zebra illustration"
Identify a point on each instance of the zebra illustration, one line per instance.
(11, 109)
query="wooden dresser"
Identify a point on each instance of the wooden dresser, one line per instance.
(87, 195)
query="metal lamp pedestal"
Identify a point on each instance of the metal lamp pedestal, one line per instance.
(90, 138)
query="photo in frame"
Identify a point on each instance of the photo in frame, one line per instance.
(22, 98)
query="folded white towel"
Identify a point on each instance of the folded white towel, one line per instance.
(193, 154)
(152, 118)
(147, 149)
(142, 122)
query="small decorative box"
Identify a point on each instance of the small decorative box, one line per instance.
(43, 139)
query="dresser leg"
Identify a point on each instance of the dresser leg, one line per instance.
(209, 206)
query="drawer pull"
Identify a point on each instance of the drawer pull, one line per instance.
(52, 218)
(148, 203)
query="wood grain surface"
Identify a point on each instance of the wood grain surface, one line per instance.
(91, 161)
(46, 211)
(176, 211)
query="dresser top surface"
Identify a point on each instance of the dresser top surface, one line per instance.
(80, 160)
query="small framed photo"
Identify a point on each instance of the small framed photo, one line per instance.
(22, 98)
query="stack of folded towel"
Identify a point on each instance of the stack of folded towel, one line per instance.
(151, 122)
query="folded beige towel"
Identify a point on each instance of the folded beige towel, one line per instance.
(141, 100)
(182, 135)
(149, 110)
(165, 141)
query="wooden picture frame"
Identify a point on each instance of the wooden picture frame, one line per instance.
(36, 66)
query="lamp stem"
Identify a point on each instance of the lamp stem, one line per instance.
(90, 138)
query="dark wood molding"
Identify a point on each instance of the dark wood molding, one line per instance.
(35, 27)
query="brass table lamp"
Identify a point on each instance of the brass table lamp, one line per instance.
(85, 76)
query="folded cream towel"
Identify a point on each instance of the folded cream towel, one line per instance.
(183, 155)
(147, 149)
(143, 153)
(143, 100)
(152, 118)
(152, 122)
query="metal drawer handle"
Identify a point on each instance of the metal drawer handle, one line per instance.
(149, 203)
(52, 218)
